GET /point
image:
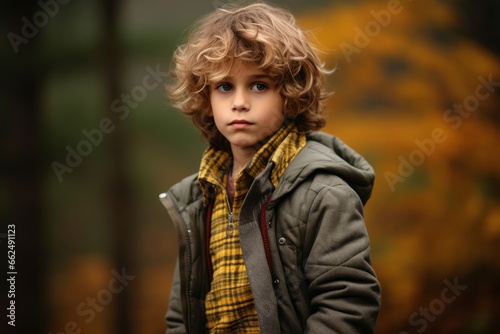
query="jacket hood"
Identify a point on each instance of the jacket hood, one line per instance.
(325, 153)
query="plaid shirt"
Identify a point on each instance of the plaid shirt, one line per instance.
(229, 304)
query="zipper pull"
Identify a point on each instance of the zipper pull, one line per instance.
(230, 225)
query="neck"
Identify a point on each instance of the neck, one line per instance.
(241, 156)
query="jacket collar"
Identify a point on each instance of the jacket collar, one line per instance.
(327, 154)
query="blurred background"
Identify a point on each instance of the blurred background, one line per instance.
(89, 140)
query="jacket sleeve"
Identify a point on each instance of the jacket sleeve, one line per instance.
(343, 289)
(174, 318)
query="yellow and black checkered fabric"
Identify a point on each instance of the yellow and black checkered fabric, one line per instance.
(229, 304)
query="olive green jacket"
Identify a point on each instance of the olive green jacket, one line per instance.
(321, 279)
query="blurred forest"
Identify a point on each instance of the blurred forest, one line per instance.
(89, 140)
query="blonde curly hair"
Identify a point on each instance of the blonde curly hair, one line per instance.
(259, 33)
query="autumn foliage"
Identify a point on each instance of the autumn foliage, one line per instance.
(421, 102)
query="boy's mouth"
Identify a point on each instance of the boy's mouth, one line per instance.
(240, 123)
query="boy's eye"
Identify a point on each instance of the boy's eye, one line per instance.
(259, 86)
(224, 87)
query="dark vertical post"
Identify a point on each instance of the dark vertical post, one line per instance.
(21, 179)
(119, 195)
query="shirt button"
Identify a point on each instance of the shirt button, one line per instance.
(282, 241)
(276, 282)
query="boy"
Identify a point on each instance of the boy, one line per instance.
(271, 231)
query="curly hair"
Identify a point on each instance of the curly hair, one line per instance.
(259, 33)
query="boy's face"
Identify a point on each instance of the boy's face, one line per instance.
(246, 106)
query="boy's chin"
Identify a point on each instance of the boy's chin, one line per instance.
(249, 145)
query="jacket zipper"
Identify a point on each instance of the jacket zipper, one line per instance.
(188, 269)
(188, 276)
(230, 219)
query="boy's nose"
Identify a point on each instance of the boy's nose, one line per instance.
(241, 100)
